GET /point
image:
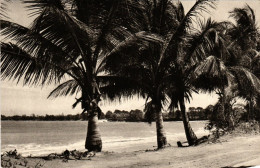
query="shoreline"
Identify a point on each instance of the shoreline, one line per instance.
(119, 145)
(114, 136)
(230, 151)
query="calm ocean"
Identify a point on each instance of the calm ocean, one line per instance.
(44, 137)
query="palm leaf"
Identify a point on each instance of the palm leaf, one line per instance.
(245, 17)
(74, 37)
(177, 37)
(246, 80)
(116, 87)
(137, 39)
(17, 64)
(195, 11)
(37, 6)
(38, 46)
(3, 9)
(245, 29)
(203, 42)
(210, 74)
(149, 112)
(73, 32)
(69, 87)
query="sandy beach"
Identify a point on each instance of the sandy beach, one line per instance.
(230, 151)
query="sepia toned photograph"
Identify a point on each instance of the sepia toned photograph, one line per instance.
(130, 83)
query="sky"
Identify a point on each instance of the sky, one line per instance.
(18, 100)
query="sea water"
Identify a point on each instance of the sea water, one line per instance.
(44, 137)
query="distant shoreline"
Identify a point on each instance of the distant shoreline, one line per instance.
(136, 115)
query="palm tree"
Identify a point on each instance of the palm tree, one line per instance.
(242, 37)
(234, 52)
(231, 81)
(246, 31)
(186, 76)
(61, 49)
(160, 60)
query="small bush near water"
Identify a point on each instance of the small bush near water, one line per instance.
(252, 127)
(231, 120)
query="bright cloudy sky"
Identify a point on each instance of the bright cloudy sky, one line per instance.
(16, 99)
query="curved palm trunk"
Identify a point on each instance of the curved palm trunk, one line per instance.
(161, 136)
(190, 135)
(93, 139)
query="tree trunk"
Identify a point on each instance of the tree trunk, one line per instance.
(190, 135)
(93, 139)
(161, 137)
(223, 102)
(250, 109)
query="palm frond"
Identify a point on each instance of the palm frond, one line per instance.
(74, 35)
(125, 43)
(4, 9)
(12, 30)
(106, 27)
(210, 74)
(246, 80)
(37, 6)
(137, 39)
(149, 112)
(195, 11)
(203, 42)
(252, 13)
(36, 45)
(179, 11)
(177, 37)
(17, 64)
(245, 31)
(136, 15)
(69, 87)
(116, 87)
(245, 17)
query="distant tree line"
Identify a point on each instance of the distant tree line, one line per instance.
(118, 115)
(47, 117)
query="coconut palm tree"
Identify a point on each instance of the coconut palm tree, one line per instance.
(67, 51)
(187, 77)
(246, 31)
(235, 51)
(160, 63)
(232, 81)
(242, 42)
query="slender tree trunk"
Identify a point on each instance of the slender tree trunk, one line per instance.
(223, 102)
(190, 135)
(250, 109)
(93, 139)
(161, 136)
